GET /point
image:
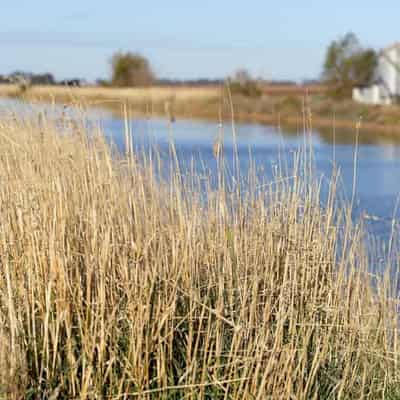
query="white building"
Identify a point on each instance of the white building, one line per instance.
(386, 88)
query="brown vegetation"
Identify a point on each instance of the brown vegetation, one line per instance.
(212, 102)
(116, 285)
(293, 90)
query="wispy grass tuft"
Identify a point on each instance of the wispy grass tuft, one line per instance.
(115, 285)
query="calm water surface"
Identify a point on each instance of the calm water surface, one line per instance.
(378, 161)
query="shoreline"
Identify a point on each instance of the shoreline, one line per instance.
(209, 103)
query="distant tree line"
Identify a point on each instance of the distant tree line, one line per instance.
(189, 82)
(129, 69)
(347, 64)
(30, 78)
(34, 79)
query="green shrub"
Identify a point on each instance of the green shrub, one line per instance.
(131, 69)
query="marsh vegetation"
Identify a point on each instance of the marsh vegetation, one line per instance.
(118, 284)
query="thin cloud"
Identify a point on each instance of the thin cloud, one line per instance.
(128, 41)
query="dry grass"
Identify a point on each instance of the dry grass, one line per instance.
(293, 90)
(115, 285)
(183, 101)
(8, 90)
(133, 95)
(278, 105)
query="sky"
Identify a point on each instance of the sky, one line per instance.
(187, 39)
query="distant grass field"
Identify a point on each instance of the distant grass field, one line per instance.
(116, 284)
(277, 105)
(135, 95)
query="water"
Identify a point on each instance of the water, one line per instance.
(377, 168)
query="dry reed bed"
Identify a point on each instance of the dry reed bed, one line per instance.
(116, 285)
(147, 95)
(8, 90)
(274, 108)
(184, 101)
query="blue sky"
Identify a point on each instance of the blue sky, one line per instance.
(283, 39)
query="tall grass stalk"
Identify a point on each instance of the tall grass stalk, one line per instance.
(116, 285)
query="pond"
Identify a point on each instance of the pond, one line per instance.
(377, 166)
